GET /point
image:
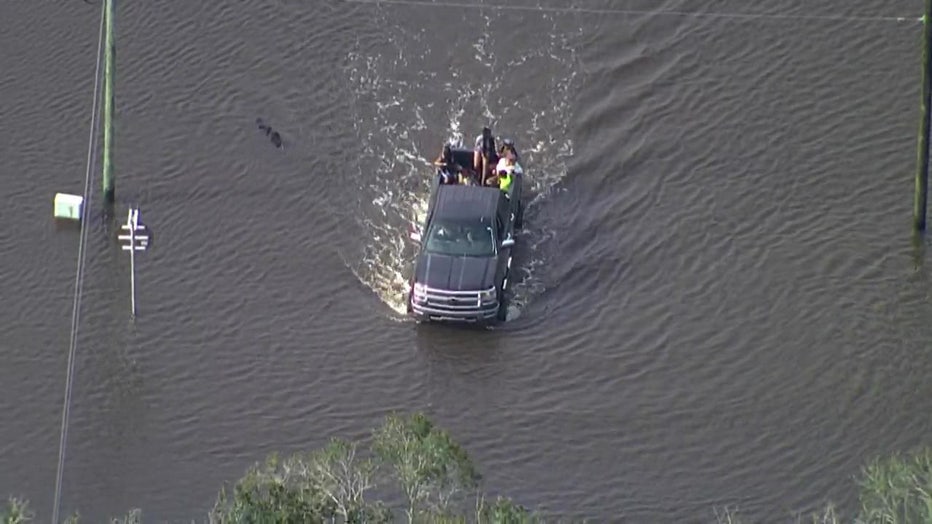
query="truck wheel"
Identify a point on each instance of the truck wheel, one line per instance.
(502, 310)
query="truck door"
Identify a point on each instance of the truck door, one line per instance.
(505, 215)
(504, 227)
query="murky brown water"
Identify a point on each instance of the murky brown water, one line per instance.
(719, 302)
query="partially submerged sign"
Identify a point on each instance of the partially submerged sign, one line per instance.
(134, 237)
(67, 206)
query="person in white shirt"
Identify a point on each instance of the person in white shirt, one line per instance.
(509, 164)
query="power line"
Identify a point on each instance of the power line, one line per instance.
(79, 274)
(640, 12)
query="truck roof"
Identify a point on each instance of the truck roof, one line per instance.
(455, 202)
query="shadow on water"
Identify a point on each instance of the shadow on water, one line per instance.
(463, 343)
(67, 226)
(919, 250)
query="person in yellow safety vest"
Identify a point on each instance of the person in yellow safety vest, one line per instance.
(504, 173)
(505, 179)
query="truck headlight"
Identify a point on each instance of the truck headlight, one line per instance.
(489, 295)
(420, 293)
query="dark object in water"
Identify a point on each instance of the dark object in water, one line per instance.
(273, 135)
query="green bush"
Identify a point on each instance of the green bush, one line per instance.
(408, 455)
(439, 484)
(893, 490)
(898, 490)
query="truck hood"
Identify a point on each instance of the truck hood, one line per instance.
(455, 273)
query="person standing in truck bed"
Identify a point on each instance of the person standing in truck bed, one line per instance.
(508, 150)
(484, 155)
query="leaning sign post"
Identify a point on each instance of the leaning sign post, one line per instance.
(136, 238)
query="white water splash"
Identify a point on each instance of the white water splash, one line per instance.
(401, 107)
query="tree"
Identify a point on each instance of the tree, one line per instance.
(408, 454)
(431, 468)
(17, 512)
(342, 477)
(502, 511)
(894, 490)
(432, 471)
(324, 486)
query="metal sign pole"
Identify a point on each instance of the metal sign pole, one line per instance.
(132, 261)
(137, 240)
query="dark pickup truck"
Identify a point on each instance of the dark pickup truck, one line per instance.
(464, 262)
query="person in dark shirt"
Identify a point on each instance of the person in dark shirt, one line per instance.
(449, 170)
(484, 154)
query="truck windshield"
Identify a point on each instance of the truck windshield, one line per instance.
(460, 239)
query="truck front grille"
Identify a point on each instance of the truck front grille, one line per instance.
(443, 304)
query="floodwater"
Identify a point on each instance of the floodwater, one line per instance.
(719, 302)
